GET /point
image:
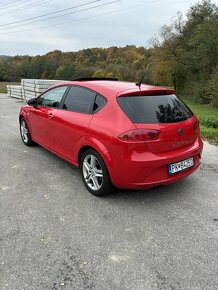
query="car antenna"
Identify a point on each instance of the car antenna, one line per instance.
(139, 83)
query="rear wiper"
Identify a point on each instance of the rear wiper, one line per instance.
(182, 118)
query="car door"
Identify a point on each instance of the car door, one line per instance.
(41, 116)
(72, 121)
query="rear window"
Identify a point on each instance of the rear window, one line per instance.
(154, 109)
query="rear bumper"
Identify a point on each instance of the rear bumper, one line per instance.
(152, 169)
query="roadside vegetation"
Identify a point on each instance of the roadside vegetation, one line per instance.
(3, 86)
(208, 117)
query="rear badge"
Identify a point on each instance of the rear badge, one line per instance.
(181, 132)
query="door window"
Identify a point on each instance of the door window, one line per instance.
(52, 98)
(100, 102)
(80, 100)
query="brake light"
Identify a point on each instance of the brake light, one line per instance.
(196, 125)
(139, 135)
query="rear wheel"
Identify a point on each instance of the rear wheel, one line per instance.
(25, 133)
(95, 173)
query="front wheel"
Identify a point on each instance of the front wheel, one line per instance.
(25, 133)
(95, 174)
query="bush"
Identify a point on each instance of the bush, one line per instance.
(200, 93)
(3, 91)
(209, 123)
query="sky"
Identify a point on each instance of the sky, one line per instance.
(35, 27)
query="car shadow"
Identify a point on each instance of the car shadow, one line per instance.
(161, 193)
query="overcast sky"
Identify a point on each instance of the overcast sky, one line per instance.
(38, 26)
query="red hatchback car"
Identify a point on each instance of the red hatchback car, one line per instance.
(118, 133)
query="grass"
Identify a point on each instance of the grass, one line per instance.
(208, 117)
(3, 88)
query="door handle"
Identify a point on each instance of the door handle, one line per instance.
(50, 115)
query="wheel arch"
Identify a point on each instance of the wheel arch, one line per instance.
(23, 114)
(21, 117)
(98, 146)
(82, 150)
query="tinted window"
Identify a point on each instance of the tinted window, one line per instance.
(154, 109)
(79, 100)
(100, 102)
(52, 98)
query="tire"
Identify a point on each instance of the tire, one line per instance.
(25, 133)
(95, 174)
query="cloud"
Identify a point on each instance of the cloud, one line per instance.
(84, 29)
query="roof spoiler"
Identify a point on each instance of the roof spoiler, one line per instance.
(96, 79)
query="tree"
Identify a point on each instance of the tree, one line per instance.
(186, 53)
(213, 88)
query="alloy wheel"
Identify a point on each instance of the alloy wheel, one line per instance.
(24, 131)
(92, 172)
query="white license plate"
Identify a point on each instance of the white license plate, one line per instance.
(180, 166)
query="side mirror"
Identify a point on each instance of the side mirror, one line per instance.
(32, 102)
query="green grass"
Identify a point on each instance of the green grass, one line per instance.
(3, 88)
(208, 117)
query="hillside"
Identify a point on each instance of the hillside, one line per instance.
(4, 56)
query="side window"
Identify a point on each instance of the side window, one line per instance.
(52, 98)
(100, 102)
(80, 100)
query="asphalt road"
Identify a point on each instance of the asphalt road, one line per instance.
(55, 235)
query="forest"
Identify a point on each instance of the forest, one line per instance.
(184, 55)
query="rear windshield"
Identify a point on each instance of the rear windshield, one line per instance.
(154, 109)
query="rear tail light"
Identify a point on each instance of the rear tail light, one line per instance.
(196, 125)
(139, 135)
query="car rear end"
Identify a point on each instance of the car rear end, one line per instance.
(165, 144)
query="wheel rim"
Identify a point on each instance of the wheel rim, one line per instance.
(24, 131)
(92, 172)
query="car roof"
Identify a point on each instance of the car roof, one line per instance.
(119, 88)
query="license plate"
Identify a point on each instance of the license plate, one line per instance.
(180, 166)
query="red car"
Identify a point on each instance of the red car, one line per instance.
(118, 133)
